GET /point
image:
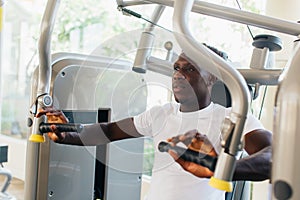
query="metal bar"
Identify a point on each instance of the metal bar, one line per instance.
(285, 158)
(226, 73)
(146, 42)
(252, 76)
(37, 162)
(44, 46)
(231, 14)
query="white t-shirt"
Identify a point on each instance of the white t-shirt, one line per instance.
(169, 181)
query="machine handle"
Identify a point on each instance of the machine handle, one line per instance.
(46, 127)
(190, 155)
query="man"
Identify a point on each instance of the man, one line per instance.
(193, 114)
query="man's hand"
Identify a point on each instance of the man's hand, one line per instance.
(196, 142)
(54, 116)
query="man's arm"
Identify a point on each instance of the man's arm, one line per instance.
(93, 134)
(257, 140)
(99, 133)
(256, 167)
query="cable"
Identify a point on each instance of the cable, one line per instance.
(247, 24)
(137, 15)
(262, 102)
(265, 91)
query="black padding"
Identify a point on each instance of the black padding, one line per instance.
(273, 43)
(282, 190)
(220, 94)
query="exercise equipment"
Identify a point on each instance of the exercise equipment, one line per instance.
(284, 178)
(90, 172)
(46, 127)
(6, 173)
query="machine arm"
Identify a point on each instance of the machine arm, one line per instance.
(41, 97)
(40, 89)
(236, 84)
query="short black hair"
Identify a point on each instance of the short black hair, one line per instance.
(222, 54)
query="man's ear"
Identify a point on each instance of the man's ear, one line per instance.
(211, 80)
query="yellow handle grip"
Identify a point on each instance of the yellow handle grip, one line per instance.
(220, 184)
(37, 138)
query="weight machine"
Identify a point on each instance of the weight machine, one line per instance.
(285, 178)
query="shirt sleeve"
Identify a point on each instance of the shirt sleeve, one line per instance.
(252, 123)
(146, 121)
(143, 122)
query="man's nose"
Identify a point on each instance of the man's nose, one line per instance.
(178, 75)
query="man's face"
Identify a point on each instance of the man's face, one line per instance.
(188, 84)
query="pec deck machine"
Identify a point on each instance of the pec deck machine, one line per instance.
(71, 83)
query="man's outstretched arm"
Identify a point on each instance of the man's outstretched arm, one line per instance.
(91, 134)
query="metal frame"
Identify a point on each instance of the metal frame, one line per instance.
(286, 102)
(38, 154)
(232, 79)
(231, 14)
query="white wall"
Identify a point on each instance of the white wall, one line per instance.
(287, 10)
